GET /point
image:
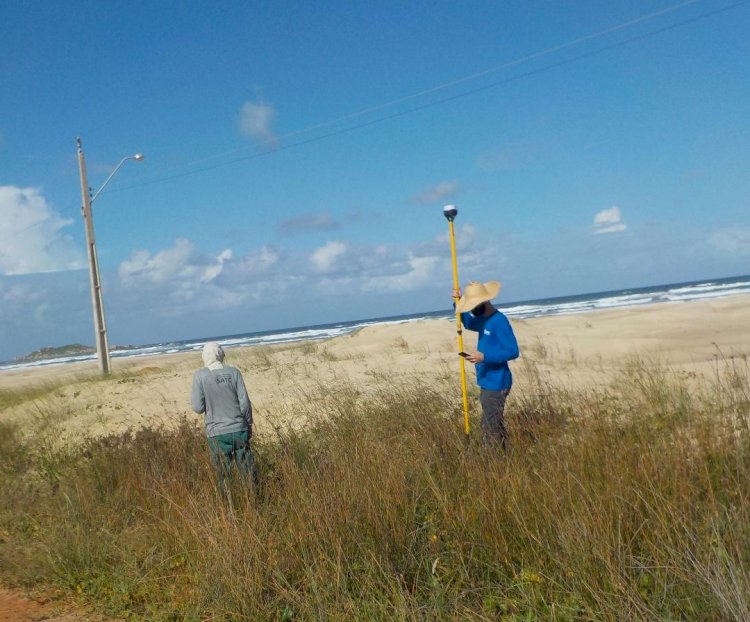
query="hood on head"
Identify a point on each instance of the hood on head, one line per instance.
(212, 353)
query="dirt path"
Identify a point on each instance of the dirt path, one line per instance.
(16, 607)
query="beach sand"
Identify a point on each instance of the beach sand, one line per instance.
(286, 382)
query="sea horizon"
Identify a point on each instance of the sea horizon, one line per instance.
(674, 293)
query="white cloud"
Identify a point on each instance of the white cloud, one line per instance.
(258, 263)
(327, 257)
(256, 120)
(421, 272)
(267, 257)
(182, 291)
(31, 234)
(609, 221)
(465, 234)
(181, 279)
(181, 265)
(733, 241)
(439, 192)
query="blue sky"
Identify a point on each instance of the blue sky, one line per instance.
(298, 156)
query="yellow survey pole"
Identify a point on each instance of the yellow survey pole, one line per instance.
(450, 212)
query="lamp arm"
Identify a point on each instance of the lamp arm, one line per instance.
(111, 175)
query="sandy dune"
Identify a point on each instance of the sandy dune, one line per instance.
(287, 381)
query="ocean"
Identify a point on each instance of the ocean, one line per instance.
(674, 293)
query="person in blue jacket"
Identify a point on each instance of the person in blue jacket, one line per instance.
(496, 346)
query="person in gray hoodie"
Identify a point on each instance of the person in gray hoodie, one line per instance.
(219, 394)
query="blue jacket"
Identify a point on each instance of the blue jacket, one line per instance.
(498, 344)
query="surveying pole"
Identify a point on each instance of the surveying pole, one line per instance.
(450, 212)
(100, 327)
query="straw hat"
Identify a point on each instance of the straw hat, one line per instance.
(477, 293)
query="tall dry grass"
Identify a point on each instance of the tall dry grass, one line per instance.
(630, 503)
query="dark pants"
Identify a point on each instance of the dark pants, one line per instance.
(230, 451)
(493, 419)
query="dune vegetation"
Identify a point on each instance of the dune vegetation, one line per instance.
(626, 502)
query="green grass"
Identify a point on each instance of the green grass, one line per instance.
(630, 503)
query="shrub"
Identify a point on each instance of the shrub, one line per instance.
(626, 503)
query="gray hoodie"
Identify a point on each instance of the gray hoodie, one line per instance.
(219, 392)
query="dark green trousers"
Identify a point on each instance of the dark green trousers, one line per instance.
(229, 452)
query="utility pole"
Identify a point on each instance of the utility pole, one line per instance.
(100, 326)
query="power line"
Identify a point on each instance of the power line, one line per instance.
(440, 87)
(455, 82)
(450, 98)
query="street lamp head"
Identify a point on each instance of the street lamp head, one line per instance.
(138, 156)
